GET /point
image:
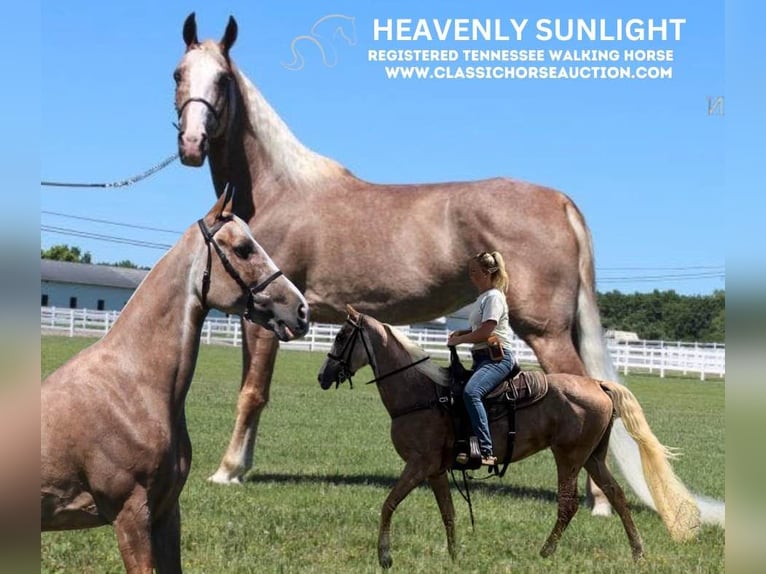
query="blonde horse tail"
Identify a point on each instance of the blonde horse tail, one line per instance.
(674, 503)
(598, 364)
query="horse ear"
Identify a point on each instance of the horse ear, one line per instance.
(223, 206)
(216, 210)
(228, 200)
(190, 31)
(353, 313)
(230, 35)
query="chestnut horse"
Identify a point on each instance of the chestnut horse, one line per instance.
(573, 419)
(114, 444)
(412, 241)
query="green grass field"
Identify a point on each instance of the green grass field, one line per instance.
(324, 464)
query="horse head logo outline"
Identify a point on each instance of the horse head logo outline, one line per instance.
(323, 35)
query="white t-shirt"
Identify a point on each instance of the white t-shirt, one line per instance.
(491, 306)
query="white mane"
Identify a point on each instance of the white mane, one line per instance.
(428, 368)
(289, 156)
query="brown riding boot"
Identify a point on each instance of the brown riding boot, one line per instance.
(488, 460)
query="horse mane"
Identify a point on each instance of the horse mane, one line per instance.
(434, 372)
(289, 157)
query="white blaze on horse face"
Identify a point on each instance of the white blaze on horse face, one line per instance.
(200, 74)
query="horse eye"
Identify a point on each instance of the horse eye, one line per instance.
(223, 80)
(243, 250)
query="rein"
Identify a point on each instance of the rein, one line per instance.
(399, 370)
(210, 240)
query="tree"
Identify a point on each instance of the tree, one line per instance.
(666, 315)
(125, 263)
(65, 253)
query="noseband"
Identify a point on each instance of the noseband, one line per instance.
(207, 104)
(251, 291)
(344, 357)
(216, 114)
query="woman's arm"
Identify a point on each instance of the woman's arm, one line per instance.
(478, 336)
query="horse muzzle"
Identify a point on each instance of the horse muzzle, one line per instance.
(285, 329)
(333, 373)
(192, 149)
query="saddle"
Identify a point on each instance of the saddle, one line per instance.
(520, 390)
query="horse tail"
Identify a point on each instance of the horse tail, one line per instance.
(590, 341)
(593, 351)
(674, 503)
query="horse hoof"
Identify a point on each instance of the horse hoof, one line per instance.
(222, 477)
(638, 555)
(385, 560)
(547, 550)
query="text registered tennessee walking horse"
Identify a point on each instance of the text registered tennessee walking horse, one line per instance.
(573, 419)
(412, 241)
(114, 443)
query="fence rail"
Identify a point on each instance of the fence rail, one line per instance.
(654, 357)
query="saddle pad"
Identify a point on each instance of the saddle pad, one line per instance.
(527, 388)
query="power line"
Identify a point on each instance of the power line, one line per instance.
(701, 271)
(105, 238)
(600, 280)
(718, 268)
(663, 268)
(651, 278)
(106, 221)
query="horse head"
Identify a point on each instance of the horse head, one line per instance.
(205, 91)
(239, 277)
(346, 29)
(350, 351)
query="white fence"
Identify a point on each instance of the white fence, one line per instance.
(654, 357)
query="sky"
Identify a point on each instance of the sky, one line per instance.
(643, 159)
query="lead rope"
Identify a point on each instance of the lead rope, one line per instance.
(115, 184)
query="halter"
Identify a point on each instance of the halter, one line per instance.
(344, 358)
(209, 240)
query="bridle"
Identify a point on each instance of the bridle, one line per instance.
(211, 108)
(344, 357)
(208, 234)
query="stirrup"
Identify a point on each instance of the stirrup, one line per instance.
(488, 460)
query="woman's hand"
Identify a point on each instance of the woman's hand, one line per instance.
(454, 339)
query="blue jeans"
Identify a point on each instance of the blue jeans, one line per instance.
(488, 374)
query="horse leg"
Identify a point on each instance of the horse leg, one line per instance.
(133, 529)
(259, 351)
(166, 541)
(568, 502)
(414, 473)
(557, 354)
(596, 466)
(440, 486)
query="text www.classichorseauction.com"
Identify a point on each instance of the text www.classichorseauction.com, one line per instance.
(477, 61)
